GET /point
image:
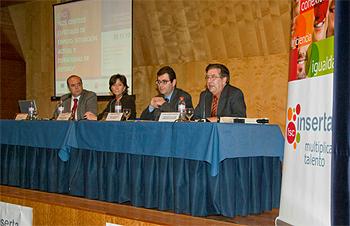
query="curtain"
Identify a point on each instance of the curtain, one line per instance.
(249, 185)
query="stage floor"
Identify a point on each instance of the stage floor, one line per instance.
(111, 212)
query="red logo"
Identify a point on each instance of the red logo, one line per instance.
(291, 132)
(293, 136)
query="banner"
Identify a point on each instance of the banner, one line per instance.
(15, 215)
(305, 195)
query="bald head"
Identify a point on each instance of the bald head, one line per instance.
(75, 85)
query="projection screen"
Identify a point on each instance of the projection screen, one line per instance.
(93, 39)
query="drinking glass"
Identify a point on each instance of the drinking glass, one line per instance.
(126, 113)
(189, 113)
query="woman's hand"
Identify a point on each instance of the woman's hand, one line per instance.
(90, 116)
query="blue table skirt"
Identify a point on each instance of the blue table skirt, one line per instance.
(246, 185)
(210, 142)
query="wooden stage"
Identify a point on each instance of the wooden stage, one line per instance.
(55, 209)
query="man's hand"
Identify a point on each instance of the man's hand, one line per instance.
(156, 102)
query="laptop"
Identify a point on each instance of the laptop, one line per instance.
(24, 105)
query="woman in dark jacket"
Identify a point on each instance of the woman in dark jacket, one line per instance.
(119, 88)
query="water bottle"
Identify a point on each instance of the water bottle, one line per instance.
(118, 107)
(31, 110)
(60, 108)
(182, 109)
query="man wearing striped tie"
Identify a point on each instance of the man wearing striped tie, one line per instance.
(220, 98)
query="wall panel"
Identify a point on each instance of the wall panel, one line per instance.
(250, 37)
(12, 68)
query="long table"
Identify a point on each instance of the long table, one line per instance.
(195, 168)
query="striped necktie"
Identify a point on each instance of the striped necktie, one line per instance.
(74, 109)
(214, 106)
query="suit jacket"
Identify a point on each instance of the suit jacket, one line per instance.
(168, 107)
(127, 101)
(87, 102)
(231, 103)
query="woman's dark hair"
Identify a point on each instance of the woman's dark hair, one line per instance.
(113, 79)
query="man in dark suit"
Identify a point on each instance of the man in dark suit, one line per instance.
(79, 101)
(169, 95)
(220, 98)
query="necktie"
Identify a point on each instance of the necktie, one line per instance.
(166, 99)
(214, 106)
(74, 109)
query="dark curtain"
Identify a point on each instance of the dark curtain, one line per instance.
(341, 112)
(243, 186)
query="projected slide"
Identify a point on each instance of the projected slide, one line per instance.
(93, 39)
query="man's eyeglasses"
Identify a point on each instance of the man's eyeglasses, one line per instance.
(163, 82)
(212, 77)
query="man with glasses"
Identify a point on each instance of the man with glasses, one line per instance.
(79, 102)
(168, 98)
(220, 98)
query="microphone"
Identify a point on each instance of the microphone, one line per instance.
(62, 100)
(60, 105)
(110, 105)
(203, 119)
(205, 96)
(66, 98)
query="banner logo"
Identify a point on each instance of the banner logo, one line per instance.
(293, 136)
(315, 130)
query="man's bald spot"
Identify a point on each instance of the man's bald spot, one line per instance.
(74, 76)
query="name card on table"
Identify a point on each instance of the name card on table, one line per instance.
(169, 116)
(112, 116)
(64, 116)
(21, 116)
